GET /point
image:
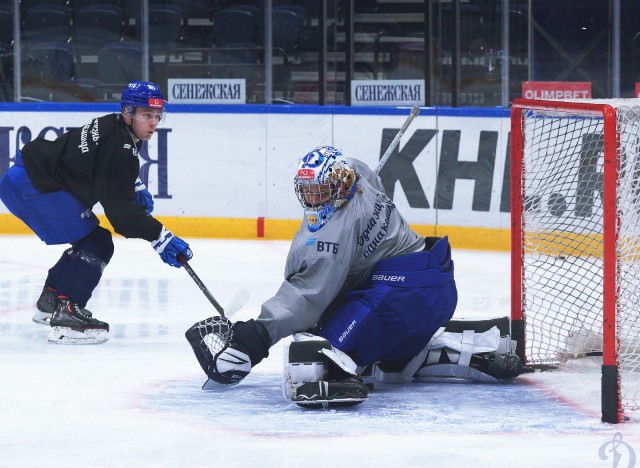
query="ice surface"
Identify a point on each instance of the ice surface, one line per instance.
(137, 400)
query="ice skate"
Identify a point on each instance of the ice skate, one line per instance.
(47, 305)
(71, 325)
(500, 366)
(330, 394)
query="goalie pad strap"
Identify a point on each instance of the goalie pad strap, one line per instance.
(466, 347)
(412, 366)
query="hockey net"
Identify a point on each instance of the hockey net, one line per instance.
(575, 188)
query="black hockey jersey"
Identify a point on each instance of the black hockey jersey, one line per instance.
(98, 163)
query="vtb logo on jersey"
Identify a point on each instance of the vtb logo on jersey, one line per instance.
(323, 246)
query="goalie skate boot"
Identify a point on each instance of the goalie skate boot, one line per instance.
(329, 394)
(71, 325)
(500, 366)
(46, 306)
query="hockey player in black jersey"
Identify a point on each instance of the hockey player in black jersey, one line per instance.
(53, 186)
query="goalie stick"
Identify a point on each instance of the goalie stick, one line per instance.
(415, 110)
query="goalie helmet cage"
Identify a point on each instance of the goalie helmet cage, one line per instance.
(575, 239)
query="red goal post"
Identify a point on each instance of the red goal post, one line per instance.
(575, 239)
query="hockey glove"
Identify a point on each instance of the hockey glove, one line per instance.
(248, 346)
(143, 197)
(169, 247)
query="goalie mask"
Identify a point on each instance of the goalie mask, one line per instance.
(324, 182)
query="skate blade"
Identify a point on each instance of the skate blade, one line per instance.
(324, 404)
(64, 335)
(213, 386)
(41, 318)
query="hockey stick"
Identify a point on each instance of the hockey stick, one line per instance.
(236, 303)
(414, 113)
(211, 336)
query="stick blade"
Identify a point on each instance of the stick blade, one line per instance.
(237, 302)
(213, 386)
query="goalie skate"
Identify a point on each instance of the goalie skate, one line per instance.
(331, 394)
(316, 375)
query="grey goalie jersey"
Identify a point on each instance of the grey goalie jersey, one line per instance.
(338, 257)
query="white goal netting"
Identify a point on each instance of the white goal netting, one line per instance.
(562, 195)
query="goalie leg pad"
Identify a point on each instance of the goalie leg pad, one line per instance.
(316, 375)
(462, 351)
(472, 350)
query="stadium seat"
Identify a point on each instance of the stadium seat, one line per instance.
(233, 25)
(119, 63)
(194, 8)
(286, 27)
(236, 54)
(28, 4)
(165, 30)
(298, 10)
(50, 23)
(54, 60)
(96, 26)
(81, 4)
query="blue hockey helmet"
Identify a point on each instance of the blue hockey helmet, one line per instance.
(142, 94)
(324, 181)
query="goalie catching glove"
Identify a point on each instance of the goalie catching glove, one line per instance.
(227, 352)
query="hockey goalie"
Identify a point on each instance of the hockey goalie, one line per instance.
(363, 296)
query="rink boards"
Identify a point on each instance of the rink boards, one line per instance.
(227, 171)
